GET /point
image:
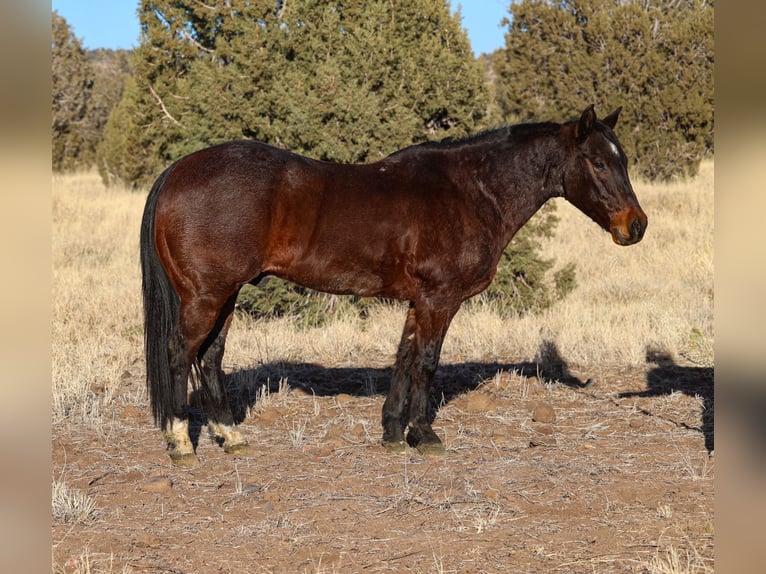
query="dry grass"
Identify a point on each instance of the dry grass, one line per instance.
(679, 562)
(90, 563)
(71, 506)
(97, 324)
(654, 297)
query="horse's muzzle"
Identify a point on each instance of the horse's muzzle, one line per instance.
(628, 226)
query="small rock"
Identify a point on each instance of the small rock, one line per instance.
(543, 436)
(357, 431)
(543, 413)
(157, 484)
(132, 412)
(542, 440)
(325, 450)
(249, 488)
(491, 494)
(504, 381)
(301, 391)
(545, 429)
(269, 415)
(333, 432)
(636, 422)
(478, 403)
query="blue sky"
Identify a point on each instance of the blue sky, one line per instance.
(114, 24)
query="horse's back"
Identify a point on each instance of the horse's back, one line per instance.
(229, 171)
(380, 229)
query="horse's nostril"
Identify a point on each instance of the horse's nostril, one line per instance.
(636, 229)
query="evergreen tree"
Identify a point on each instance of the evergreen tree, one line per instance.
(111, 72)
(72, 84)
(366, 78)
(344, 80)
(86, 85)
(653, 58)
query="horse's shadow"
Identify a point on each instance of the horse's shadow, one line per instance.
(668, 377)
(244, 387)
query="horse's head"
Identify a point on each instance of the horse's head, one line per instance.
(596, 178)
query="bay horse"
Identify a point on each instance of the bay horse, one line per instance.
(426, 225)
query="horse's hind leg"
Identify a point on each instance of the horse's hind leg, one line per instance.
(176, 427)
(198, 316)
(221, 419)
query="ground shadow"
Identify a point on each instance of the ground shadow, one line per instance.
(451, 380)
(667, 377)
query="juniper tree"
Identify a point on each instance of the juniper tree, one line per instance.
(655, 58)
(72, 84)
(344, 80)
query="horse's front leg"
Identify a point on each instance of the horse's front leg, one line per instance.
(432, 325)
(393, 418)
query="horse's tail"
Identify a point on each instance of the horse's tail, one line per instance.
(161, 319)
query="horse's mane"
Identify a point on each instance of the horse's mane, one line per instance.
(521, 132)
(515, 133)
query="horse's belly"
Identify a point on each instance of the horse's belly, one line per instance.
(384, 277)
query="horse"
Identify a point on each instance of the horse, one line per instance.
(425, 225)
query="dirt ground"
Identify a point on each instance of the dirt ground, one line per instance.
(615, 475)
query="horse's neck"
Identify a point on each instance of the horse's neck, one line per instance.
(518, 182)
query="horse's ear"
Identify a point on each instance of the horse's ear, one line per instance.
(611, 119)
(586, 123)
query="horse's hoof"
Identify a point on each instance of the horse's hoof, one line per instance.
(431, 449)
(395, 446)
(184, 460)
(241, 449)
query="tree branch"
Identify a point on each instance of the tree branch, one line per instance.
(164, 109)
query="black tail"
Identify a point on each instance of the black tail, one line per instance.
(161, 306)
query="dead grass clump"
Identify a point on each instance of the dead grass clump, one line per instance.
(674, 561)
(90, 563)
(71, 506)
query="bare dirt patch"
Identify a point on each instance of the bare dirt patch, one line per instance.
(619, 479)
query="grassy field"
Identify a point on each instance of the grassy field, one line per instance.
(653, 298)
(640, 323)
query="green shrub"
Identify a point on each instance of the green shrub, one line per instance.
(274, 297)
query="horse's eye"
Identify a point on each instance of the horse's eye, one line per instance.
(599, 165)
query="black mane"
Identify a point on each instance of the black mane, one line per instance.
(522, 132)
(516, 132)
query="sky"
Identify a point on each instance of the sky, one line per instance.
(114, 23)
